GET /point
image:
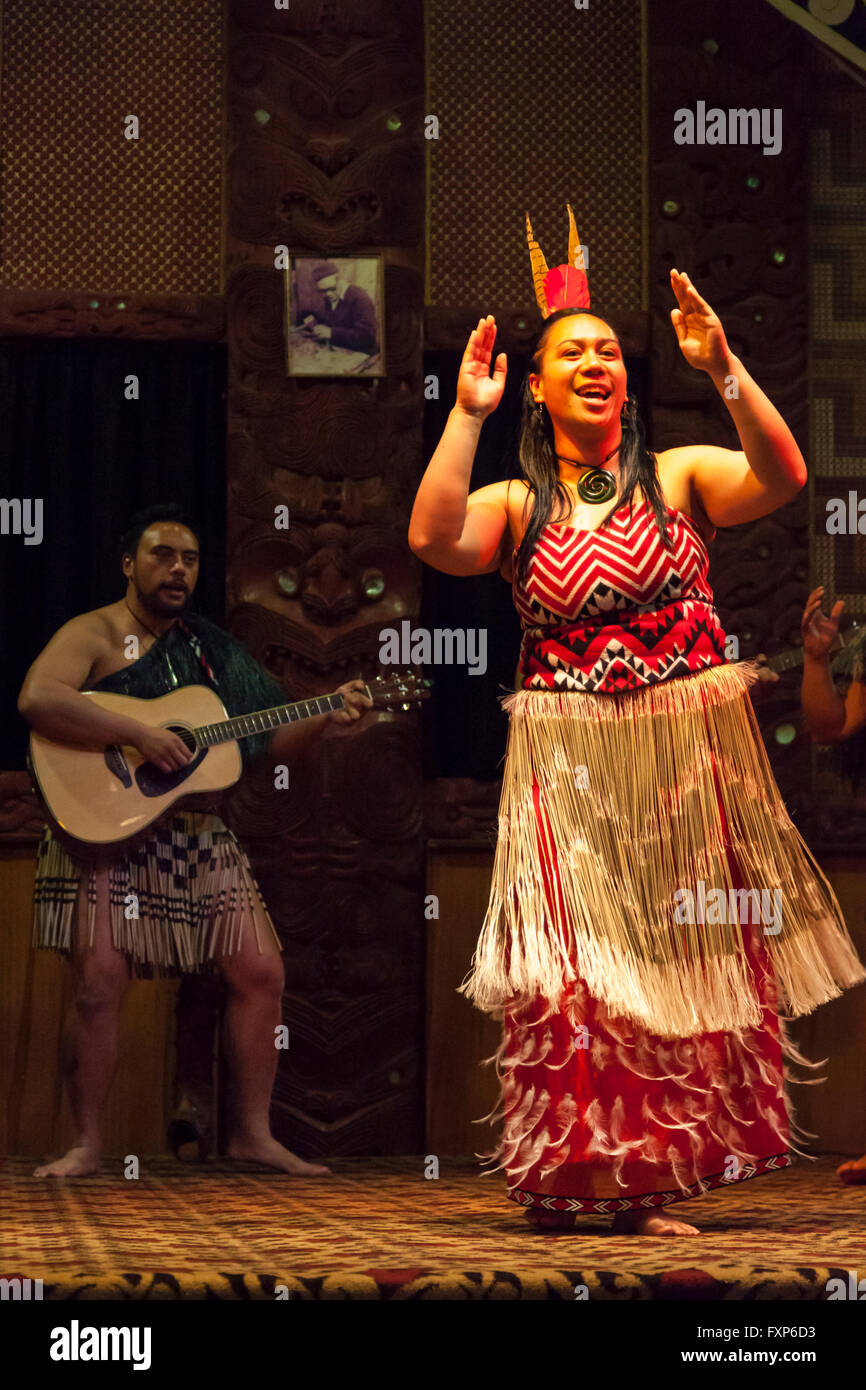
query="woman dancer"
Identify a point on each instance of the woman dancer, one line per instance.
(637, 978)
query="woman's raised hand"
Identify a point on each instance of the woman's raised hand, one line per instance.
(699, 330)
(820, 632)
(478, 393)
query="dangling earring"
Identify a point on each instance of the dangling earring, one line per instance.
(539, 409)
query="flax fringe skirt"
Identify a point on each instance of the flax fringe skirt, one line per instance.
(642, 1055)
(176, 899)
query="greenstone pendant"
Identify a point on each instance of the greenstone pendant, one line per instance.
(596, 485)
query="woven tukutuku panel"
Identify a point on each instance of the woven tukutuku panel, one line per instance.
(838, 342)
(538, 105)
(82, 206)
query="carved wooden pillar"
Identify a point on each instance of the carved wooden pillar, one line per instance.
(325, 157)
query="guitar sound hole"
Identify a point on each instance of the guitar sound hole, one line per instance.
(152, 781)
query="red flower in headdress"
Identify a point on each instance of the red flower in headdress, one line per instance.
(566, 286)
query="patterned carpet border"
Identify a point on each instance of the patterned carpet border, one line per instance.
(708, 1281)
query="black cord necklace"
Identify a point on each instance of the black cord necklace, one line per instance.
(597, 484)
(143, 624)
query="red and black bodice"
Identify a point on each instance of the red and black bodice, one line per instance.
(613, 609)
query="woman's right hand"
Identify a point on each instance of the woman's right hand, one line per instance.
(478, 393)
(820, 632)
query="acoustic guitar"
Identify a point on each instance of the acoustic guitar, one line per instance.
(106, 796)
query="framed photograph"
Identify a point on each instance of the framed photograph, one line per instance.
(335, 321)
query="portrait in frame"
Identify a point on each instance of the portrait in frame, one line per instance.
(335, 318)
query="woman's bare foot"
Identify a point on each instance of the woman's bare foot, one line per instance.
(550, 1220)
(270, 1152)
(854, 1171)
(645, 1223)
(77, 1162)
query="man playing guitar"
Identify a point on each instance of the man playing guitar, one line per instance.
(213, 914)
(832, 718)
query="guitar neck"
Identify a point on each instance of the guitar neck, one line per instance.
(786, 661)
(263, 721)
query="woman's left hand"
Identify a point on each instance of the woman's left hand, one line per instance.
(699, 331)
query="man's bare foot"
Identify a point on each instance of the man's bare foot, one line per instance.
(270, 1152)
(77, 1162)
(645, 1223)
(854, 1171)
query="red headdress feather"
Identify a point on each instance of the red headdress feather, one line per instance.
(566, 286)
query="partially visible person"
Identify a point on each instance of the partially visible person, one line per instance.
(832, 719)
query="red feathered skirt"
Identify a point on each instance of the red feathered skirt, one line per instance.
(600, 1115)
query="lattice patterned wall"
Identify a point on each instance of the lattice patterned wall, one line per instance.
(838, 340)
(837, 372)
(737, 221)
(82, 207)
(566, 122)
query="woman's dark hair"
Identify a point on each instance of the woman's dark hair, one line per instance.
(637, 463)
(159, 511)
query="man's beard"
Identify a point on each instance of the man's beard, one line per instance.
(160, 607)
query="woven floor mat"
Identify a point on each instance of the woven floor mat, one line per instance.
(180, 1231)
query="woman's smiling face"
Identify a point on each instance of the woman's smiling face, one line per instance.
(583, 379)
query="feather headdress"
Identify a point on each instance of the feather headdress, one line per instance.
(566, 286)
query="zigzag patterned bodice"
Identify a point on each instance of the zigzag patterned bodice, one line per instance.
(612, 609)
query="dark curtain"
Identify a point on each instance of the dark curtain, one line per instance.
(72, 438)
(465, 727)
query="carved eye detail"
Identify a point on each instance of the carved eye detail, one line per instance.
(372, 584)
(287, 582)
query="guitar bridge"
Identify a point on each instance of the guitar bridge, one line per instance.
(117, 764)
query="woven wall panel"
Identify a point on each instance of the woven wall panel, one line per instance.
(838, 344)
(83, 207)
(720, 213)
(553, 95)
